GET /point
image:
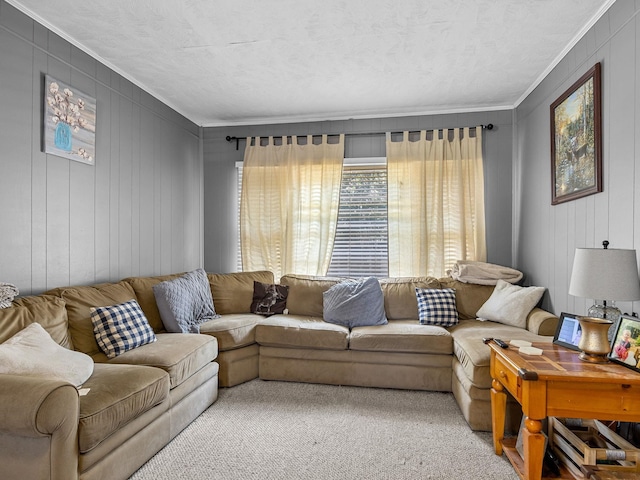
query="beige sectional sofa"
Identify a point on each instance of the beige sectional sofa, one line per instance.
(141, 399)
(301, 347)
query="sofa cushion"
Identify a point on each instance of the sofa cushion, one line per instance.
(117, 394)
(80, 300)
(48, 310)
(180, 355)
(405, 336)
(305, 293)
(233, 330)
(269, 298)
(120, 328)
(301, 331)
(354, 303)
(469, 296)
(437, 306)
(185, 302)
(32, 352)
(143, 288)
(400, 295)
(233, 292)
(510, 304)
(474, 355)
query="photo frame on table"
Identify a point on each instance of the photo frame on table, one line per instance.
(576, 139)
(568, 332)
(625, 347)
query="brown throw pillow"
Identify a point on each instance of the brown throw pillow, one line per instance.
(269, 299)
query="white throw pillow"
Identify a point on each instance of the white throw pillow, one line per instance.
(510, 304)
(33, 352)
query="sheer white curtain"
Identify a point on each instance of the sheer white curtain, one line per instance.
(436, 201)
(289, 205)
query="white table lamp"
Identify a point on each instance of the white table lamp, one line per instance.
(605, 275)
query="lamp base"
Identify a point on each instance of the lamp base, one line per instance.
(593, 357)
(593, 342)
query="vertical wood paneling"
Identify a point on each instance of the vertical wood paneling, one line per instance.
(69, 223)
(135, 191)
(147, 194)
(621, 129)
(125, 186)
(114, 187)
(15, 138)
(102, 212)
(611, 215)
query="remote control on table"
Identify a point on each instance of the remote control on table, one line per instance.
(501, 343)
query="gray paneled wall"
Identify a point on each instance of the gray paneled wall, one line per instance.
(546, 236)
(138, 211)
(220, 173)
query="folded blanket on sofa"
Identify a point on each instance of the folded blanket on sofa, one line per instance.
(7, 293)
(483, 273)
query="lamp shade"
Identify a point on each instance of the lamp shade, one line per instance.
(605, 274)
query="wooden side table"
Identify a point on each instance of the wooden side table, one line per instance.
(557, 384)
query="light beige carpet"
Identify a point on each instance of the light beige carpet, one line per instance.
(281, 430)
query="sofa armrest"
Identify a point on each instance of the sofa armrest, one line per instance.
(542, 322)
(38, 428)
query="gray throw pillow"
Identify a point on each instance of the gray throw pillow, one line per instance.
(355, 303)
(185, 302)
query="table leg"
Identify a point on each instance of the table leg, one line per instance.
(533, 443)
(498, 413)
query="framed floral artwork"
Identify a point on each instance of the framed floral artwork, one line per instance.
(576, 140)
(69, 122)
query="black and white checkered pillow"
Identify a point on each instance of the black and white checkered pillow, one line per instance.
(122, 327)
(437, 306)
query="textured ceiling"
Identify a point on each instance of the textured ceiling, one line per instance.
(226, 62)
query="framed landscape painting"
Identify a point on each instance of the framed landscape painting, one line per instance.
(576, 140)
(69, 122)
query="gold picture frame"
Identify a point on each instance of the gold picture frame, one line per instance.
(576, 139)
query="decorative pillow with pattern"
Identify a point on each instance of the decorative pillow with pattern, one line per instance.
(122, 327)
(185, 302)
(269, 299)
(437, 306)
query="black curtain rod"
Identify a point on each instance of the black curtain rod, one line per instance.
(489, 126)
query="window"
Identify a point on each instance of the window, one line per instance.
(361, 247)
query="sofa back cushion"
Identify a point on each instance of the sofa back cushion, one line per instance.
(400, 302)
(469, 296)
(47, 310)
(233, 292)
(305, 293)
(143, 288)
(79, 301)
